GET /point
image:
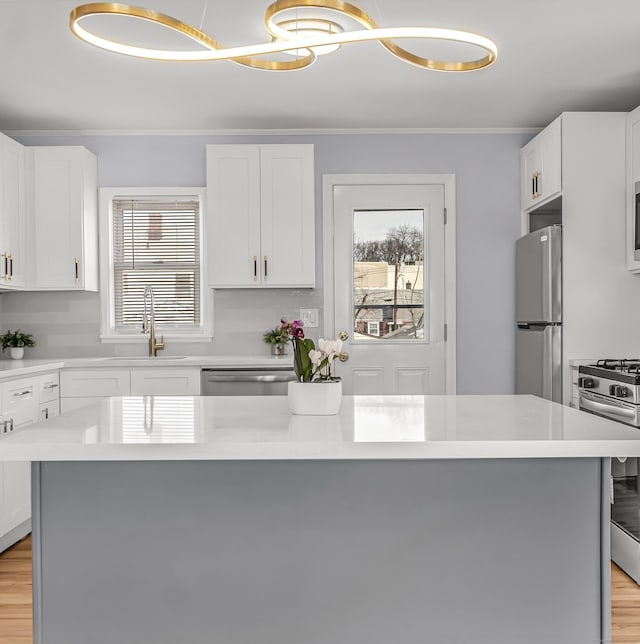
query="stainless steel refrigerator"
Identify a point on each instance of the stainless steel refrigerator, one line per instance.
(539, 313)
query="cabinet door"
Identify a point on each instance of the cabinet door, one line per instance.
(12, 215)
(64, 204)
(550, 178)
(13, 260)
(92, 383)
(49, 409)
(233, 215)
(530, 166)
(541, 166)
(16, 483)
(165, 382)
(287, 215)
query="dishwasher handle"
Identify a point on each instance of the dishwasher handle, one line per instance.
(251, 378)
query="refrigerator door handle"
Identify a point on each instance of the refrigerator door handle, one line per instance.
(547, 361)
(552, 363)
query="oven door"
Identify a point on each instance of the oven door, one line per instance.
(611, 408)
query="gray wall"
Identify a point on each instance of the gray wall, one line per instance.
(488, 222)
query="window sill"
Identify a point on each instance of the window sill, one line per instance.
(144, 338)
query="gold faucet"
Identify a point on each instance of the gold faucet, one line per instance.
(149, 323)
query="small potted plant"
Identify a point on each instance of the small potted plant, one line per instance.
(16, 341)
(277, 338)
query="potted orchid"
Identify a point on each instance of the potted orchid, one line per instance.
(313, 366)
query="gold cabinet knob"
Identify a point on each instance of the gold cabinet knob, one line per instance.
(343, 335)
(343, 357)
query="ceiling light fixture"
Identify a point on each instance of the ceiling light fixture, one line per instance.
(286, 37)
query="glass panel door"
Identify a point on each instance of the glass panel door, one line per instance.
(389, 275)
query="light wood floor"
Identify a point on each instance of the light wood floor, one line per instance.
(15, 594)
(15, 600)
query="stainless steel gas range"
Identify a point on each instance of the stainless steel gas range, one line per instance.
(611, 388)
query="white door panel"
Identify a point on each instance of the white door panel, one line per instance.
(389, 287)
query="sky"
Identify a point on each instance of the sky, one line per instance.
(371, 225)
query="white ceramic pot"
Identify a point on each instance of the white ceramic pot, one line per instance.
(16, 353)
(315, 398)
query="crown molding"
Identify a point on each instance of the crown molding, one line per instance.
(285, 132)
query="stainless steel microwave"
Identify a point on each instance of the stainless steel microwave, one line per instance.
(636, 200)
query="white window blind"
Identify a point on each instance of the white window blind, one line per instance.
(156, 243)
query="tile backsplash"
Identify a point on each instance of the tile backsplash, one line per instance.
(67, 324)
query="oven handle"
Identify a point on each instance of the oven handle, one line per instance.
(592, 405)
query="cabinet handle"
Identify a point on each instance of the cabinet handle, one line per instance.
(266, 273)
(18, 394)
(45, 413)
(10, 423)
(8, 266)
(255, 268)
(533, 185)
(53, 385)
(77, 271)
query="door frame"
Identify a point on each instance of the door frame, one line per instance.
(329, 182)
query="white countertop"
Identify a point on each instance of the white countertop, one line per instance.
(367, 427)
(14, 368)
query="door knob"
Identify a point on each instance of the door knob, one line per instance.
(343, 335)
(343, 357)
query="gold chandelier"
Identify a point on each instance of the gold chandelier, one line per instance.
(305, 38)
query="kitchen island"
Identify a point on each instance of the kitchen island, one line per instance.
(458, 519)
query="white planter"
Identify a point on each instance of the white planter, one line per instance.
(315, 398)
(16, 353)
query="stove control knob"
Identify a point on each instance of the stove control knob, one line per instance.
(586, 383)
(619, 391)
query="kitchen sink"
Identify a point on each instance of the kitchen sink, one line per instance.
(147, 358)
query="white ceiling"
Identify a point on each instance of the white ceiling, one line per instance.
(554, 56)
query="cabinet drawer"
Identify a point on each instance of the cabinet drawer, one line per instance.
(48, 387)
(19, 401)
(165, 382)
(94, 382)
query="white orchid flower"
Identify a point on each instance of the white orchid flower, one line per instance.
(331, 348)
(315, 357)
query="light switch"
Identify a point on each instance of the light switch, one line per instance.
(309, 318)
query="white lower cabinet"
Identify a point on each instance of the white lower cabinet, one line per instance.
(24, 401)
(165, 382)
(82, 387)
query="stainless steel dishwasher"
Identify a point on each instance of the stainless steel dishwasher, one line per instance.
(242, 381)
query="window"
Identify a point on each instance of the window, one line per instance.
(154, 239)
(373, 328)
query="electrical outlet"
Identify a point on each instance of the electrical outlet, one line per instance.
(309, 318)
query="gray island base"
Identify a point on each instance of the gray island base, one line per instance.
(477, 551)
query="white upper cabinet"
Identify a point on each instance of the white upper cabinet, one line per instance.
(65, 218)
(541, 166)
(12, 215)
(260, 216)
